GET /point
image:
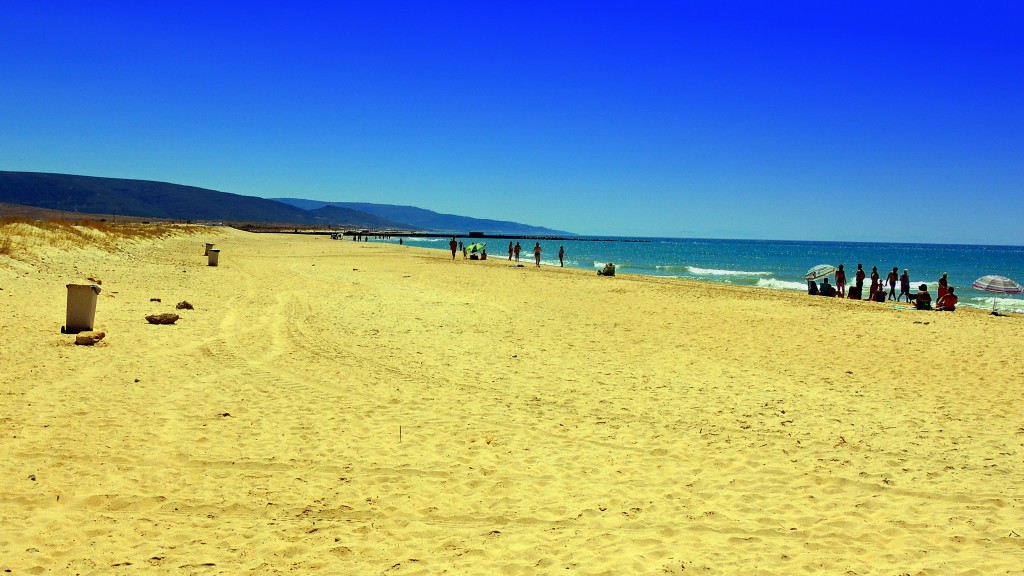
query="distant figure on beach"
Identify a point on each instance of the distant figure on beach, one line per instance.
(536, 254)
(841, 281)
(858, 279)
(460, 246)
(483, 254)
(400, 241)
(517, 249)
(943, 286)
(874, 283)
(561, 256)
(948, 301)
(892, 278)
(923, 300)
(827, 289)
(453, 245)
(904, 285)
(812, 288)
(510, 251)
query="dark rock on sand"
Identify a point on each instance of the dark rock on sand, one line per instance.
(165, 318)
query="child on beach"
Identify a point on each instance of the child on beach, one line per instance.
(874, 283)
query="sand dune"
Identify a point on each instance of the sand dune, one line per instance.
(332, 407)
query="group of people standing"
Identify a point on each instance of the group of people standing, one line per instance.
(922, 300)
(513, 250)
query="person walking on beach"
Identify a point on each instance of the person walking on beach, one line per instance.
(904, 285)
(561, 256)
(841, 281)
(453, 245)
(510, 251)
(892, 278)
(536, 254)
(517, 249)
(943, 286)
(874, 283)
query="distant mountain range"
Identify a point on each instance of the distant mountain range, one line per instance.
(148, 199)
(421, 219)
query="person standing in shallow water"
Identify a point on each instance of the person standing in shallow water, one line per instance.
(453, 245)
(904, 285)
(841, 281)
(536, 254)
(517, 249)
(510, 251)
(561, 256)
(892, 278)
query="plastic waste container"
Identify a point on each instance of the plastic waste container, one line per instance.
(81, 308)
(214, 257)
(208, 248)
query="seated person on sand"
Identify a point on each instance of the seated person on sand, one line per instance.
(948, 301)
(483, 254)
(812, 288)
(827, 289)
(880, 295)
(923, 300)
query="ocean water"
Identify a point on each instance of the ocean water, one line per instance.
(774, 264)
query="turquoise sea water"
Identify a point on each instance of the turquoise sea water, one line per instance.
(777, 265)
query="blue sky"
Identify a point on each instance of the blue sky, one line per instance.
(786, 120)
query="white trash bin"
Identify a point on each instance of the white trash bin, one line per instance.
(81, 311)
(214, 257)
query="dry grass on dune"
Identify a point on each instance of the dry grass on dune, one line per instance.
(21, 235)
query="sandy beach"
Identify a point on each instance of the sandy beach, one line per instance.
(333, 407)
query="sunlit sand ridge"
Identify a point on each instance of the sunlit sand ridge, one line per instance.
(332, 407)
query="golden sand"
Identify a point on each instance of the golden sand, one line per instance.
(333, 407)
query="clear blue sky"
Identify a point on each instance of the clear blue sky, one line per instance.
(792, 120)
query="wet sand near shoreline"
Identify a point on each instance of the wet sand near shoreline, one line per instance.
(333, 407)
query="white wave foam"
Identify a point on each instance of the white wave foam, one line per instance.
(775, 284)
(1002, 304)
(713, 272)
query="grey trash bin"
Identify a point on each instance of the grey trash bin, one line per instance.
(214, 257)
(208, 248)
(81, 308)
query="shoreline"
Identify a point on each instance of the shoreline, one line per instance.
(772, 283)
